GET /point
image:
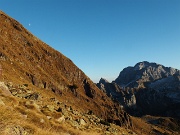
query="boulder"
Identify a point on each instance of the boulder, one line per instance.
(4, 89)
(61, 119)
(82, 122)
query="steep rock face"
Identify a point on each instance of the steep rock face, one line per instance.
(143, 72)
(107, 87)
(26, 59)
(161, 97)
(125, 97)
(147, 88)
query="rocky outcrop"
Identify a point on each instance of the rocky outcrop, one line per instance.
(4, 89)
(125, 96)
(146, 88)
(161, 97)
(40, 111)
(143, 72)
(88, 90)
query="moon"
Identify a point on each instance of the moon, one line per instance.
(29, 24)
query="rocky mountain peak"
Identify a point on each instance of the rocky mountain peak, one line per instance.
(103, 81)
(141, 65)
(143, 72)
(147, 88)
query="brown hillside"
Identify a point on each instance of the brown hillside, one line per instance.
(27, 60)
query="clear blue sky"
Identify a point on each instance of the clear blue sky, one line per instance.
(104, 36)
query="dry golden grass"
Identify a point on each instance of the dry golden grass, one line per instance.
(143, 128)
(10, 118)
(140, 127)
(26, 117)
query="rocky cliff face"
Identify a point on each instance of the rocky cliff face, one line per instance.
(125, 96)
(161, 97)
(27, 60)
(146, 88)
(143, 72)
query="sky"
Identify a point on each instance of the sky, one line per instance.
(104, 36)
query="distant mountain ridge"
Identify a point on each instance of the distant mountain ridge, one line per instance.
(143, 72)
(146, 88)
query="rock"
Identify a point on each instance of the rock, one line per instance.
(82, 122)
(143, 72)
(146, 88)
(50, 107)
(24, 116)
(32, 105)
(42, 120)
(49, 117)
(69, 108)
(61, 119)
(10, 85)
(70, 118)
(15, 130)
(59, 109)
(103, 81)
(34, 96)
(4, 89)
(74, 124)
(88, 90)
(75, 112)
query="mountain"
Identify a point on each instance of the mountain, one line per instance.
(143, 72)
(42, 87)
(149, 91)
(146, 88)
(42, 92)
